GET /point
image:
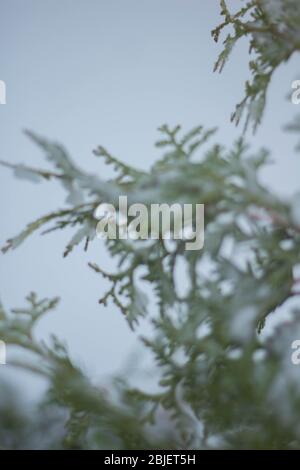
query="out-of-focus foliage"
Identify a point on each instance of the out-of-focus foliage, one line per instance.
(219, 382)
(26, 427)
(90, 416)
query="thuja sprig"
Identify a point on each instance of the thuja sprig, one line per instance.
(273, 39)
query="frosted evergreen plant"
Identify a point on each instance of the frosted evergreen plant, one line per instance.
(219, 382)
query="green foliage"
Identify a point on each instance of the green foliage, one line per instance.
(220, 384)
(273, 28)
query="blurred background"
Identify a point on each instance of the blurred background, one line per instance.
(109, 72)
